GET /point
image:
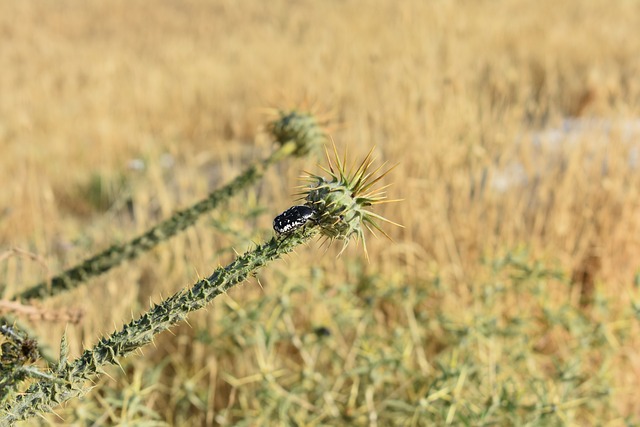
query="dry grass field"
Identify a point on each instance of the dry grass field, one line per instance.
(510, 297)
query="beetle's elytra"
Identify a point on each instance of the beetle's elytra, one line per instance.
(292, 219)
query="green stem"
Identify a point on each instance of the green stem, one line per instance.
(116, 254)
(43, 395)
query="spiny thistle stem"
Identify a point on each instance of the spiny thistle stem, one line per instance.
(334, 208)
(296, 133)
(43, 395)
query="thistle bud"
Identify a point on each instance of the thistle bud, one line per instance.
(301, 128)
(339, 201)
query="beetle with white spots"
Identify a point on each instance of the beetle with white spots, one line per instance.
(292, 219)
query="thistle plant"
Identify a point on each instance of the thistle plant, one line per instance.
(300, 127)
(295, 133)
(340, 201)
(337, 203)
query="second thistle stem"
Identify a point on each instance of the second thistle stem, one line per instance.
(181, 220)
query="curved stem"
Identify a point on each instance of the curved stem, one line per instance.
(116, 254)
(43, 395)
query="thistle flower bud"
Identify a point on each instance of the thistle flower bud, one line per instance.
(301, 128)
(339, 201)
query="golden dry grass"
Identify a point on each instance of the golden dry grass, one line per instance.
(453, 91)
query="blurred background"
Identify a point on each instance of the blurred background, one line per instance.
(511, 294)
